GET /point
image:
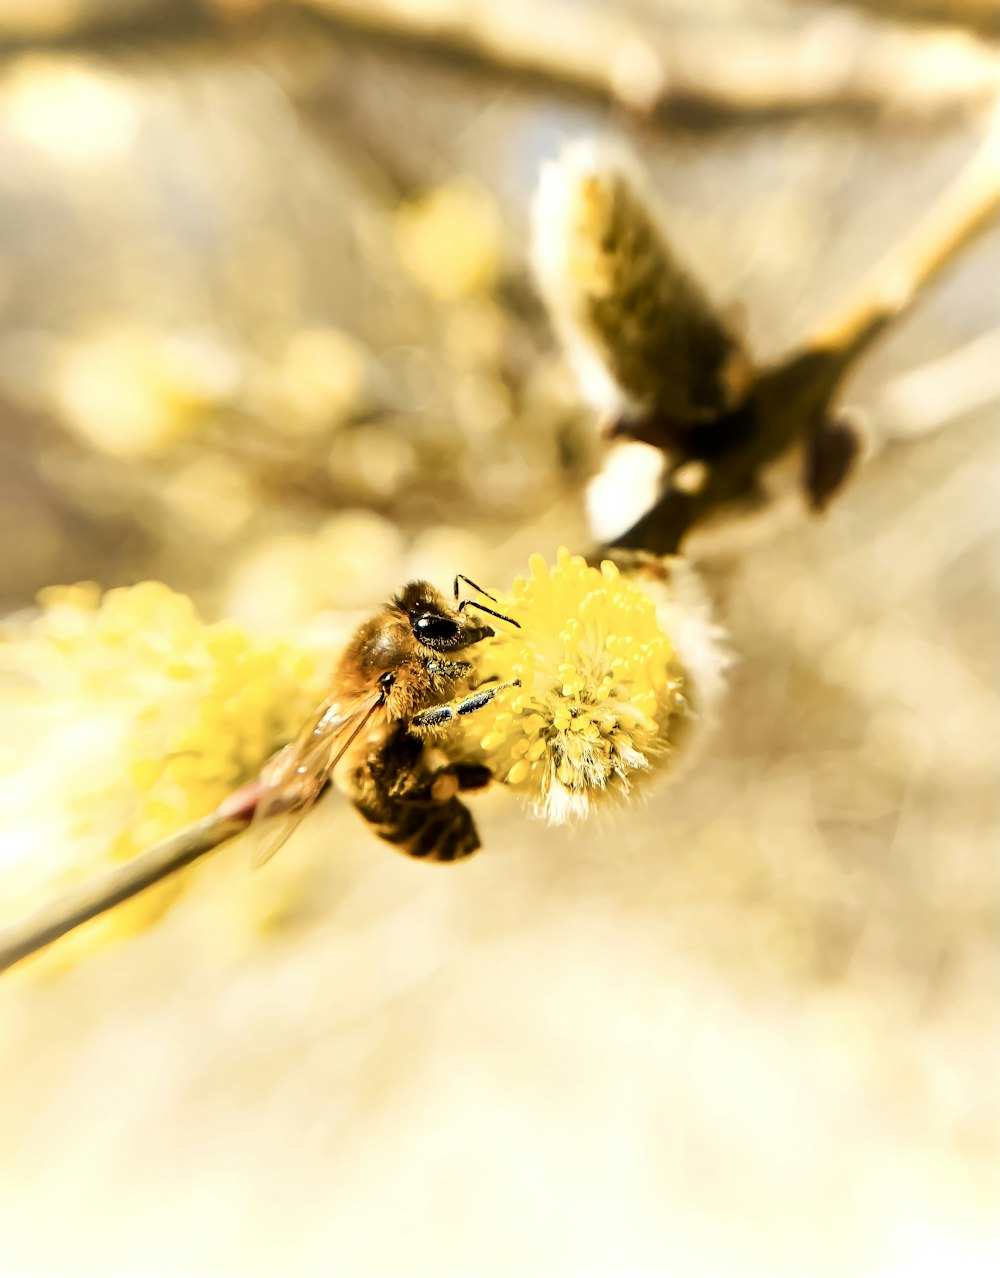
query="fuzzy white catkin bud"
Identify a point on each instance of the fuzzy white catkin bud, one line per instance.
(643, 337)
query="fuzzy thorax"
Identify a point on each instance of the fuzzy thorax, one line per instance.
(607, 695)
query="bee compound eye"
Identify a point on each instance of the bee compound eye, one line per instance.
(431, 626)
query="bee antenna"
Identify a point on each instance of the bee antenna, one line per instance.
(469, 582)
(471, 603)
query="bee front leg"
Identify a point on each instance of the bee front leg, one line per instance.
(454, 778)
(436, 716)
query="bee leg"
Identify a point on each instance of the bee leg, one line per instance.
(438, 715)
(440, 786)
(458, 670)
(418, 784)
(486, 679)
(470, 776)
(457, 778)
(412, 808)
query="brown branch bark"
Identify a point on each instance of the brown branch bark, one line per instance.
(957, 218)
(27, 25)
(843, 63)
(837, 62)
(980, 16)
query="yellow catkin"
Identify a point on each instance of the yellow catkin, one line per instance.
(186, 711)
(603, 691)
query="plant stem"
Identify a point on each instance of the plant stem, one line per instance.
(961, 213)
(114, 886)
(686, 72)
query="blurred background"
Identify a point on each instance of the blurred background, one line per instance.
(268, 335)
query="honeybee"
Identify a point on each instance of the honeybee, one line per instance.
(395, 683)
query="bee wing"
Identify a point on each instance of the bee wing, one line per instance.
(294, 779)
(266, 841)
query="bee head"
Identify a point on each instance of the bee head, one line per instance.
(434, 623)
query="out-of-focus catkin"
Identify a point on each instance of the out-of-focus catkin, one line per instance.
(146, 718)
(643, 337)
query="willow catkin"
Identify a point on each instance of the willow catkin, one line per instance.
(618, 676)
(148, 717)
(644, 339)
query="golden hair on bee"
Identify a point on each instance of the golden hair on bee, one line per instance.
(390, 689)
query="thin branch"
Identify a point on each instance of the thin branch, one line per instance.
(980, 16)
(101, 23)
(841, 63)
(114, 886)
(706, 72)
(793, 403)
(924, 399)
(960, 215)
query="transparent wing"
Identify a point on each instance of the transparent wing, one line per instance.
(266, 840)
(294, 779)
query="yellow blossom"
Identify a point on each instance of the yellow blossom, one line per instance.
(322, 380)
(139, 718)
(608, 692)
(133, 392)
(449, 240)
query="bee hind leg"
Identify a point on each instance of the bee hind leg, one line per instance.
(415, 808)
(437, 785)
(469, 776)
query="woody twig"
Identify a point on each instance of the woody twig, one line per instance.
(793, 404)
